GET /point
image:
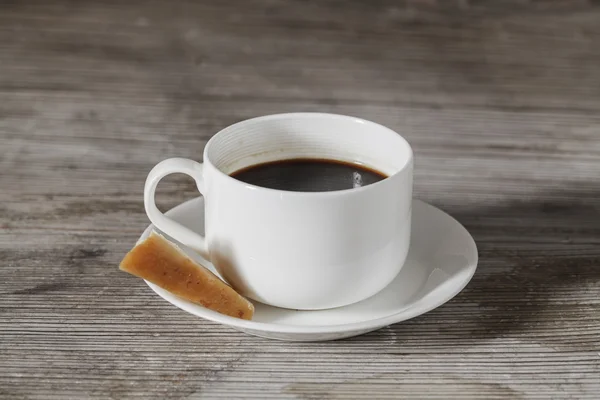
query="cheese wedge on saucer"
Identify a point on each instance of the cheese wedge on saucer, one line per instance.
(161, 262)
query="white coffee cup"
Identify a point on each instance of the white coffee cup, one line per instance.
(299, 250)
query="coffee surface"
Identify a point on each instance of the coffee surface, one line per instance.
(308, 175)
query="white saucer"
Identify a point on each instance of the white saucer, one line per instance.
(441, 261)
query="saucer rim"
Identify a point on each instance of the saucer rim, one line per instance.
(411, 311)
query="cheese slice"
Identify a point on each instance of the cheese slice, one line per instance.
(161, 262)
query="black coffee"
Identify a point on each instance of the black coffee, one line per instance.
(308, 175)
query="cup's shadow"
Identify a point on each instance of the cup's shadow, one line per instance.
(533, 255)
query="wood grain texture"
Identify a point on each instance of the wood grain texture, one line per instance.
(500, 100)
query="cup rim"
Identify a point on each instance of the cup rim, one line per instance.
(407, 164)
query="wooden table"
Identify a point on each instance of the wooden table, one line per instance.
(500, 100)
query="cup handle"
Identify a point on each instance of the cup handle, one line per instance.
(174, 229)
